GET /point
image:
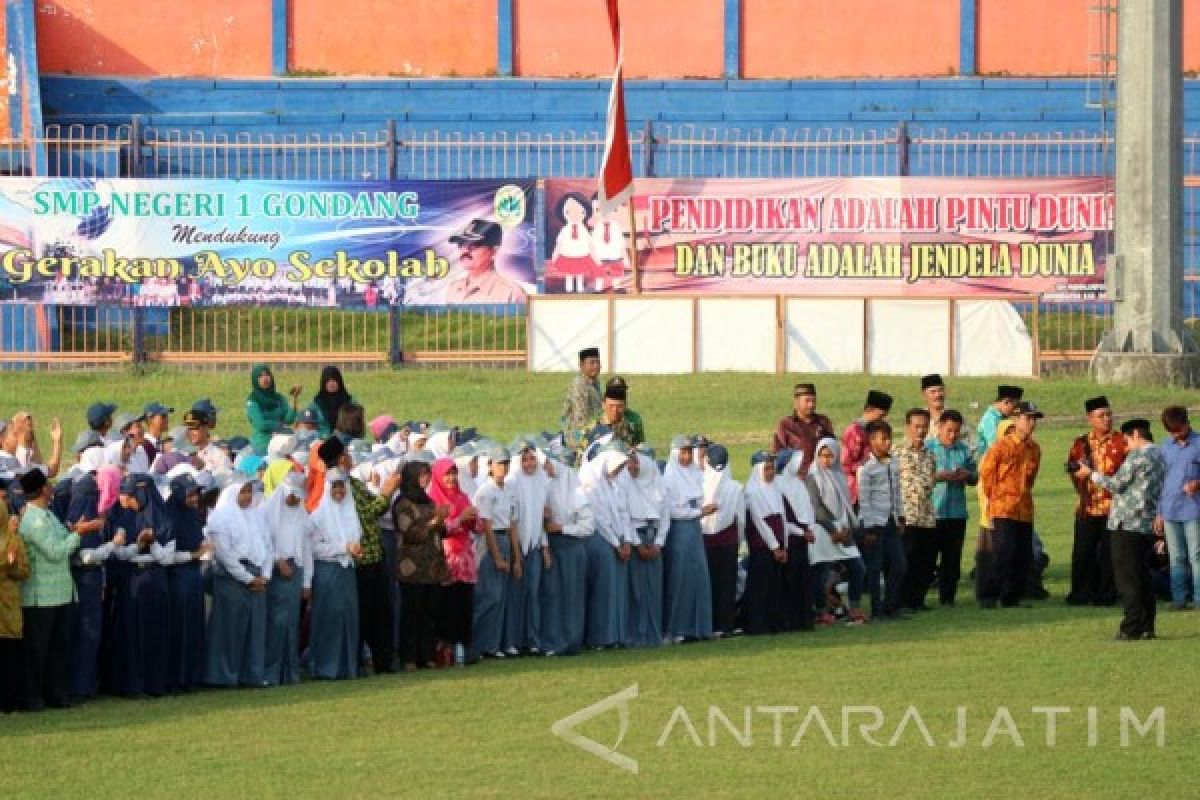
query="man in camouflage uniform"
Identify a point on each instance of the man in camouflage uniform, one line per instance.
(583, 404)
(615, 420)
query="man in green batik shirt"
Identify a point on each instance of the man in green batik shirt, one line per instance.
(615, 419)
(376, 618)
(584, 403)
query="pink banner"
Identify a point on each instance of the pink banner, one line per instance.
(875, 237)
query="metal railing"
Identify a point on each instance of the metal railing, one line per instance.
(1065, 331)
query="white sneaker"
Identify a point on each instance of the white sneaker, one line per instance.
(512, 651)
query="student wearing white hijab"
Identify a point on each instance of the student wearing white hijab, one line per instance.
(564, 588)
(765, 538)
(289, 525)
(440, 443)
(688, 615)
(610, 549)
(116, 454)
(834, 547)
(723, 532)
(800, 522)
(237, 623)
(468, 459)
(417, 441)
(498, 557)
(651, 518)
(336, 533)
(523, 619)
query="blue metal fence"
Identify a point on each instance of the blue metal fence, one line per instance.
(659, 150)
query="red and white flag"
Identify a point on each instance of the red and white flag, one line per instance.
(616, 170)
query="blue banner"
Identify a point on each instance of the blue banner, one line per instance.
(366, 244)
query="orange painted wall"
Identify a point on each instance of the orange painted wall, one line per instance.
(144, 37)
(394, 37)
(563, 38)
(663, 38)
(1044, 37)
(849, 38)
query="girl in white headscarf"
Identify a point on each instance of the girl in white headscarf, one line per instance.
(469, 470)
(609, 550)
(834, 547)
(523, 620)
(336, 533)
(237, 626)
(417, 441)
(688, 594)
(651, 517)
(765, 537)
(564, 588)
(723, 531)
(440, 443)
(291, 579)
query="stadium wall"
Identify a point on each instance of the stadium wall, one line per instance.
(756, 39)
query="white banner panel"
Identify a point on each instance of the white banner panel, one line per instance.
(908, 337)
(737, 334)
(559, 329)
(824, 335)
(652, 336)
(991, 339)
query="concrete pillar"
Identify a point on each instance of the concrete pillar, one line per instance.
(1148, 343)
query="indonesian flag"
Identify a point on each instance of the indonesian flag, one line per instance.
(616, 170)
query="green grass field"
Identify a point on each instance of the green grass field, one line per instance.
(486, 731)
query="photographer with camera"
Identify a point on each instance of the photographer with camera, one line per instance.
(1103, 450)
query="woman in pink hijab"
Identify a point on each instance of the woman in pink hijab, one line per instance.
(458, 600)
(108, 479)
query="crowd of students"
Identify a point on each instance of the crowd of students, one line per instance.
(323, 545)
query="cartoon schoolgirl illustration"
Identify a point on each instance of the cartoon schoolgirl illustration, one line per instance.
(572, 257)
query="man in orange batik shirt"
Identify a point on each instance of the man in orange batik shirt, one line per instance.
(1007, 475)
(1103, 450)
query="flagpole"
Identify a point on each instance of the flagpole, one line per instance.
(633, 249)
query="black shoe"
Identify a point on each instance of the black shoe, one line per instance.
(1148, 635)
(1125, 637)
(987, 605)
(921, 607)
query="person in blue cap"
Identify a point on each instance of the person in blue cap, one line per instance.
(157, 422)
(200, 421)
(100, 416)
(308, 419)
